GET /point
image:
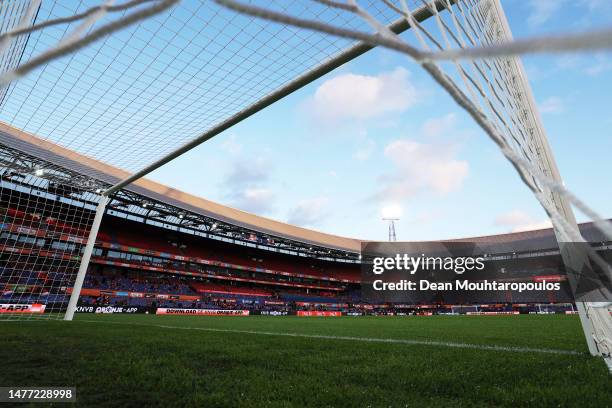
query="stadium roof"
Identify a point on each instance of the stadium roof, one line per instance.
(60, 156)
(78, 163)
(533, 240)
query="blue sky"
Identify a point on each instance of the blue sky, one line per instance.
(325, 159)
(375, 134)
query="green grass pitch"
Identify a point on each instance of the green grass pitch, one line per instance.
(147, 360)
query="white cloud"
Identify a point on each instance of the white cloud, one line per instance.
(517, 220)
(533, 226)
(255, 200)
(514, 217)
(439, 126)
(231, 145)
(309, 212)
(569, 61)
(365, 151)
(430, 166)
(244, 185)
(542, 10)
(593, 66)
(359, 97)
(552, 105)
(245, 172)
(420, 166)
(599, 65)
(535, 72)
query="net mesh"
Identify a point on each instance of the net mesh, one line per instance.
(44, 223)
(153, 75)
(467, 48)
(491, 87)
(124, 83)
(135, 95)
(13, 13)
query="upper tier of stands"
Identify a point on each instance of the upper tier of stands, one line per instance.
(120, 235)
(131, 234)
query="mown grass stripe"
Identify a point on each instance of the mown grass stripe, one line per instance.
(512, 349)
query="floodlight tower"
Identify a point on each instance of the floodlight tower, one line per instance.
(392, 236)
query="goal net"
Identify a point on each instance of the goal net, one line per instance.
(44, 223)
(87, 85)
(94, 92)
(464, 309)
(467, 48)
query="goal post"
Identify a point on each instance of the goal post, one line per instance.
(330, 55)
(466, 46)
(468, 49)
(596, 325)
(464, 309)
(549, 168)
(85, 258)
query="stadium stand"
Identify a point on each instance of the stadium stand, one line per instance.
(142, 265)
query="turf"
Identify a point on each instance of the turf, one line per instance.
(131, 360)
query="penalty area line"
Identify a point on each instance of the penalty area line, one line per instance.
(434, 343)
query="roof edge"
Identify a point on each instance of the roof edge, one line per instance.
(190, 202)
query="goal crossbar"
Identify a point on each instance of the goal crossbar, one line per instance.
(398, 27)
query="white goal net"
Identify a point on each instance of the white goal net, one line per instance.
(468, 49)
(142, 74)
(89, 84)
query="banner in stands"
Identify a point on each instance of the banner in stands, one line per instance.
(20, 308)
(114, 293)
(318, 304)
(201, 312)
(318, 313)
(201, 261)
(111, 309)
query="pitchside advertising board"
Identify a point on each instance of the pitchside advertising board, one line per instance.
(111, 309)
(270, 312)
(316, 313)
(22, 308)
(201, 312)
(221, 312)
(460, 272)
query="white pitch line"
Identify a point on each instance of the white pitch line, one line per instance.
(512, 349)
